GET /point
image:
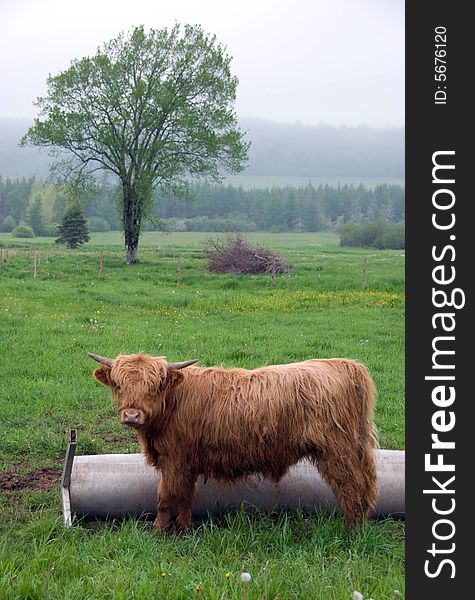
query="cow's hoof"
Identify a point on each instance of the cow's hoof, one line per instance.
(160, 527)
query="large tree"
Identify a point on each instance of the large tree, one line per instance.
(154, 108)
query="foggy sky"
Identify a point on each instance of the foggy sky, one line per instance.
(313, 61)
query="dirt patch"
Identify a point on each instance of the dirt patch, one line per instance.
(126, 439)
(42, 480)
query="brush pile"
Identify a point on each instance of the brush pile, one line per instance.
(235, 254)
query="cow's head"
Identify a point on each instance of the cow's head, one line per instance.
(138, 383)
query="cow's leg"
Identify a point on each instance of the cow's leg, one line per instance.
(184, 503)
(352, 480)
(175, 490)
(164, 504)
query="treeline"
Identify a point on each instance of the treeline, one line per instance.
(309, 208)
(210, 208)
(30, 201)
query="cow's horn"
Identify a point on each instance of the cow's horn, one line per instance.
(101, 359)
(182, 365)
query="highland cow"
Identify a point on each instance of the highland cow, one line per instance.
(231, 423)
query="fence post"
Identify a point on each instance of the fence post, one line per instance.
(364, 273)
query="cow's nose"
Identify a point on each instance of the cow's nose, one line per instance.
(131, 416)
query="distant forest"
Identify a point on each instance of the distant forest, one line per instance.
(210, 208)
(277, 149)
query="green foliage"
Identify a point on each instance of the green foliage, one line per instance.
(23, 231)
(154, 107)
(96, 224)
(282, 209)
(73, 228)
(353, 234)
(393, 237)
(45, 195)
(78, 189)
(51, 230)
(104, 204)
(8, 224)
(14, 197)
(227, 208)
(34, 216)
(377, 235)
(233, 223)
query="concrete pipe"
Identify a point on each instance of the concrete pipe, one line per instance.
(117, 485)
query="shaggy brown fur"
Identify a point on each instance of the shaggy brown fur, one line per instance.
(230, 423)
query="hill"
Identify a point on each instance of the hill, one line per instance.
(278, 149)
(324, 150)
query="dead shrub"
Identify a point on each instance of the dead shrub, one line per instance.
(235, 254)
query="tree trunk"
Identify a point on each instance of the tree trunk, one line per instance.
(131, 252)
(132, 219)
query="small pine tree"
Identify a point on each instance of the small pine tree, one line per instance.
(73, 228)
(35, 217)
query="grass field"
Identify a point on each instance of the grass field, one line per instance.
(47, 325)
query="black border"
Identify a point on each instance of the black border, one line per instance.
(431, 128)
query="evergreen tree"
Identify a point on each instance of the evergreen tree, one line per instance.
(34, 217)
(73, 228)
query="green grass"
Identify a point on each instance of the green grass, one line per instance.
(49, 323)
(298, 556)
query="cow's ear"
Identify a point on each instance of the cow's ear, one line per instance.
(102, 374)
(174, 378)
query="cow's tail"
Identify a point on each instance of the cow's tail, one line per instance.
(366, 394)
(368, 438)
(348, 465)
